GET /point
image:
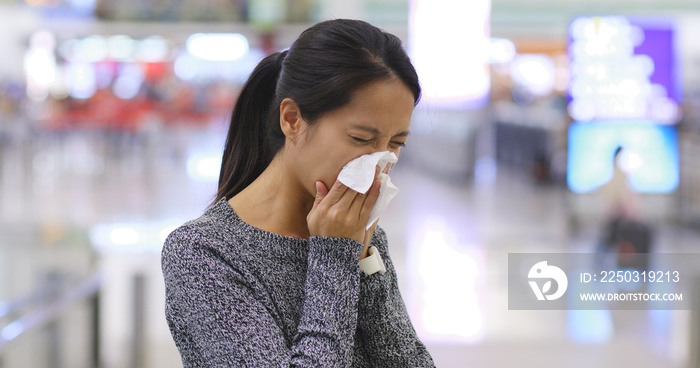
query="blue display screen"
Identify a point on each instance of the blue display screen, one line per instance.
(624, 68)
(650, 155)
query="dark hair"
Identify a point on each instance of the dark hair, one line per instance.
(320, 72)
(618, 150)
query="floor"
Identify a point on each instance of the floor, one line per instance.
(64, 197)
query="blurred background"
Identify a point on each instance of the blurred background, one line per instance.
(113, 116)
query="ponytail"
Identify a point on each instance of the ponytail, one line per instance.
(249, 143)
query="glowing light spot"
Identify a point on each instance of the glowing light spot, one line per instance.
(535, 72)
(204, 167)
(83, 83)
(40, 69)
(163, 234)
(121, 48)
(217, 47)
(447, 313)
(185, 67)
(501, 50)
(12, 330)
(453, 75)
(152, 49)
(124, 236)
(43, 39)
(128, 83)
(92, 49)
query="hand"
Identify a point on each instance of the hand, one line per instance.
(368, 239)
(342, 212)
(370, 232)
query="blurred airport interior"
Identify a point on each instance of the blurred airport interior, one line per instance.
(113, 116)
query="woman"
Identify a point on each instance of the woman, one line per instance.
(268, 276)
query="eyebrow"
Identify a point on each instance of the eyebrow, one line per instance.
(376, 131)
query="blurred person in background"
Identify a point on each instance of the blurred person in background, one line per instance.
(618, 199)
(270, 274)
(624, 233)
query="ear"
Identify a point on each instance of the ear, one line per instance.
(291, 122)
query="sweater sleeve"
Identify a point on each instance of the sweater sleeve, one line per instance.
(217, 319)
(326, 332)
(384, 323)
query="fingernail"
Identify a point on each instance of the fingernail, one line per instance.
(318, 186)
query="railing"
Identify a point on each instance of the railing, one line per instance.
(39, 295)
(51, 308)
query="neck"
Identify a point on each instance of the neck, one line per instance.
(275, 201)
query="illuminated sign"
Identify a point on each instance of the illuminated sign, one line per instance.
(450, 49)
(623, 68)
(650, 159)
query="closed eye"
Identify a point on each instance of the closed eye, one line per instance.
(365, 141)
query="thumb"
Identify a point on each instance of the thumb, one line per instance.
(321, 192)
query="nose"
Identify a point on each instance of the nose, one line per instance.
(383, 148)
(385, 145)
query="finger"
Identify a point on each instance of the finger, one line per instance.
(388, 167)
(357, 203)
(336, 192)
(360, 198)
(347, 199)
(370, 200)
(321, 192)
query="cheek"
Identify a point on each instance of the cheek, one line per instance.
(316, 158)
(328, 167)
(334, 165)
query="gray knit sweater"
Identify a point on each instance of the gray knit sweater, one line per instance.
(240, 296)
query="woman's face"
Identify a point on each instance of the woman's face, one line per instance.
(377, 119)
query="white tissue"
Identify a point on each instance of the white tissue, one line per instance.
(358, 175)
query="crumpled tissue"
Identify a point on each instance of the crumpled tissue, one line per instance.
(358, 175)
